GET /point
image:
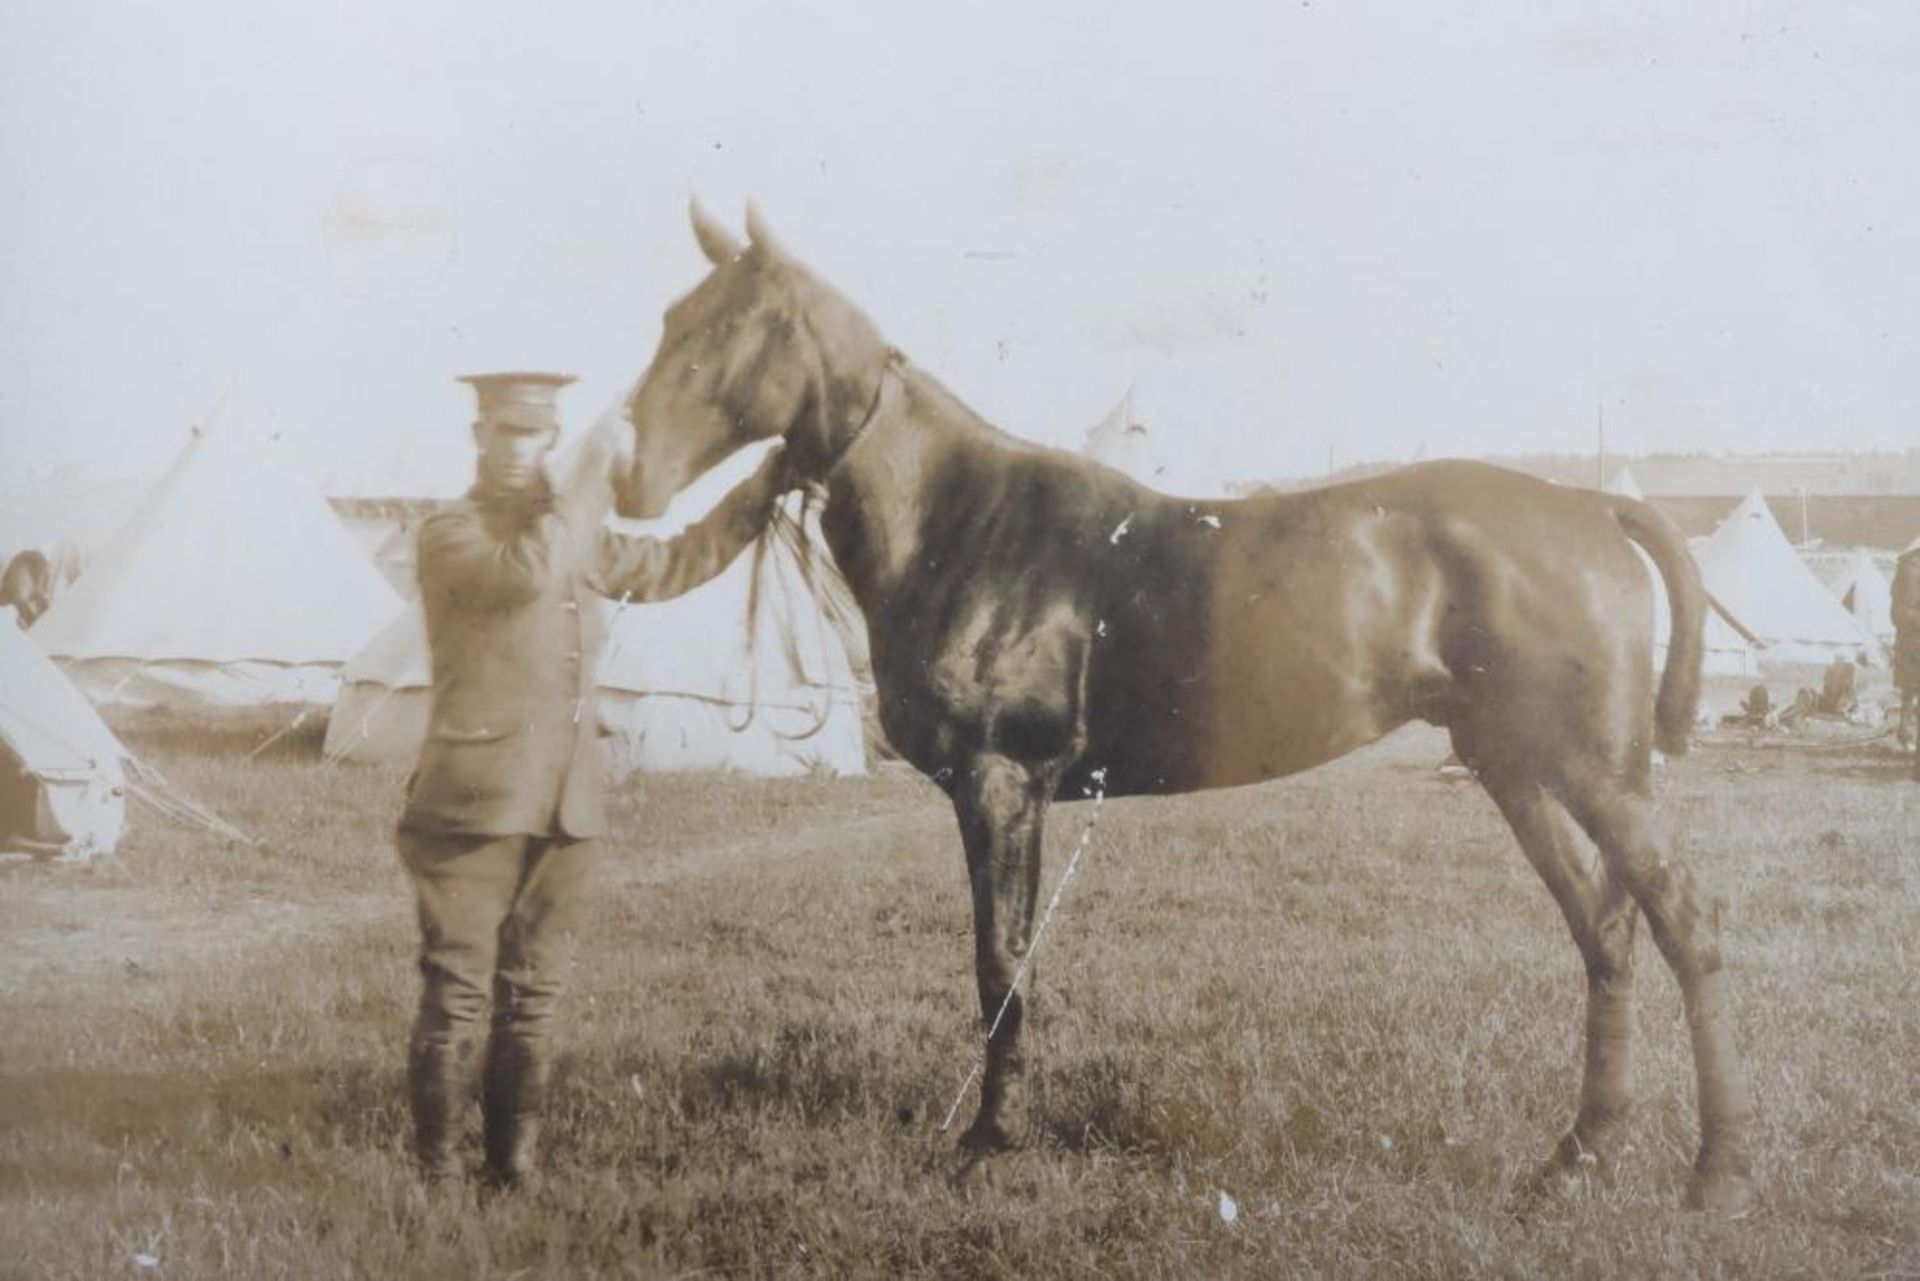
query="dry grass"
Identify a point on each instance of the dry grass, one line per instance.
(1342, 1000)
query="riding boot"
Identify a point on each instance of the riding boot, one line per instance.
(512, 1101)
(438, 1076)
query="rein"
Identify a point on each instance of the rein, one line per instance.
(791, 530)
(889, 364)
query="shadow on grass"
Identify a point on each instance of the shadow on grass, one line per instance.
(1085, 1108)
(808, 1073)
(1880, 768)
(1872, 760)
(277, 732)
(272, 1115)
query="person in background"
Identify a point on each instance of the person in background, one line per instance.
(1906, 646)
(1756, 711)
(502, 817)
(1839, 694)
(27, 585)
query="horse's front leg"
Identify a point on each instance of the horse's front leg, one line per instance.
(1002, 806)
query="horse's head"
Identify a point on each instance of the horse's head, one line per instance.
(760, 348)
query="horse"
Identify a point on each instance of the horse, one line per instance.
(27, 585)
(1043, 628)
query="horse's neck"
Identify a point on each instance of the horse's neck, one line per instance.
(880, 498)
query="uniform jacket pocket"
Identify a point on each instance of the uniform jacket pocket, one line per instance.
(472, 733)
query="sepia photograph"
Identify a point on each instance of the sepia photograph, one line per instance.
(820, 639)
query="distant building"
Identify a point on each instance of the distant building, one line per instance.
(1831, 501)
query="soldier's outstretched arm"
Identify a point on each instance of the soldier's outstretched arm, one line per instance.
(642, 569)
(498, 568)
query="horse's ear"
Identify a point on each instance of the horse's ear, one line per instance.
(758, 236)
(716, 242)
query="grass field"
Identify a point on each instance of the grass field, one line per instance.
(1342, 1001)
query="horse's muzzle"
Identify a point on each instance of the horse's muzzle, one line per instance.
(636, 497)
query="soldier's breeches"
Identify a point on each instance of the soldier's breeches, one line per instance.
(498, 917)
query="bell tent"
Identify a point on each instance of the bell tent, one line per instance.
(1729, 649)
(1866, 594)
(62, 779)
(1127, 446)
(233, 583)
(1754, 573)
(65, 515)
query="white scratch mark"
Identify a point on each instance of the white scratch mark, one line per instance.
(1099, 777)
(1100, 627)
(1211, 521)
(1120, 530)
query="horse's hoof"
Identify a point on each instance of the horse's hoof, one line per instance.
(1553, 1183)
(1726, 1193)
(984, 1138)
(1574, 1171)
(968, 1170)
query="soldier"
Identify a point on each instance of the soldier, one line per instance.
(502, 815)
(1839, 688)
(1906, 644)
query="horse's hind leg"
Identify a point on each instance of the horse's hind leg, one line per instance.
(1002, 807)
(1687, 930)
(1601, 915)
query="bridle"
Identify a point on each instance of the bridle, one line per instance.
(791, 529)
(889, 365)
(825, 467)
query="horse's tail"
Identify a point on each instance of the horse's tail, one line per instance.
(1679, 698)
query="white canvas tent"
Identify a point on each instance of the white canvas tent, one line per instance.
(233, 583)
(1752, 570)
(1126, 446)
(1727, 650)
(1625, 485)
(62, 780)
(66, 515)
(394, 559)
(381, 711)
(1866, 594)
(1130, 447)
(679, 688)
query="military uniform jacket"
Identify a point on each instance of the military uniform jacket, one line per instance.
(509, 590)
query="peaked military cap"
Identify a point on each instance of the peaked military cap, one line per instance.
(528, 401)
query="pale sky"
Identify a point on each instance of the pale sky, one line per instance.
(1368, 229)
